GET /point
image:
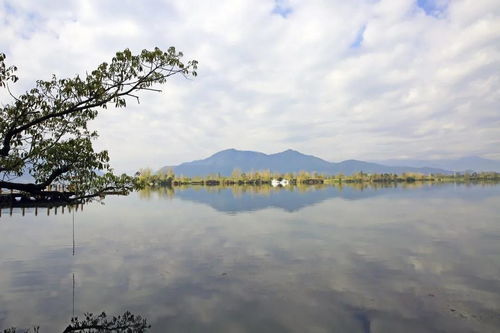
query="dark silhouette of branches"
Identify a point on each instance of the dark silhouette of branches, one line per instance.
(91, 323)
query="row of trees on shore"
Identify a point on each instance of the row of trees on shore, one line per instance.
(146, 177)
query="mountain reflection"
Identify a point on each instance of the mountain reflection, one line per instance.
(235, 199)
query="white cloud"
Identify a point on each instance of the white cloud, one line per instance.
(418, 85)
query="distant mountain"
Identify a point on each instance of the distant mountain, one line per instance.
(224, 162)
(474, 163)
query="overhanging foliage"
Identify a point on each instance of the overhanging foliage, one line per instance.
(44, 131)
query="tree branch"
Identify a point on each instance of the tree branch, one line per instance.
(35, 188)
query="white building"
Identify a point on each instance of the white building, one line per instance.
(283, 182)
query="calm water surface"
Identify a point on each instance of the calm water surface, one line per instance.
(423, 259)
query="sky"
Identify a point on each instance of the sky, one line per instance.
(360, 79)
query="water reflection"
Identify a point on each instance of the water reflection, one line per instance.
(88, 321)
(376, 260)
(237, 198)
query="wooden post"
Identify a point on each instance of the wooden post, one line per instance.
(36, 210)
(48, 211)
(23, 211)
(55, 210)
(11, 209)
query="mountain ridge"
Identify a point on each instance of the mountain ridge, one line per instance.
(225, 161)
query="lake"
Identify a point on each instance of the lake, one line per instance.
(420, 258)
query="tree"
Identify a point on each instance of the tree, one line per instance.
(236, 173)
(44, 131)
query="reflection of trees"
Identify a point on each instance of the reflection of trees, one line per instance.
(166, 192)
(128, 322)
(238, 191)
(146, 193)
(266, 190)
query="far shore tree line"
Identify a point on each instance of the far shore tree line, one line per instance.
(147, 177)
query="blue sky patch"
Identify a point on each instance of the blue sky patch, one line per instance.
(432, 7)
(359, 38)
(9, 9)
(282, 8)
